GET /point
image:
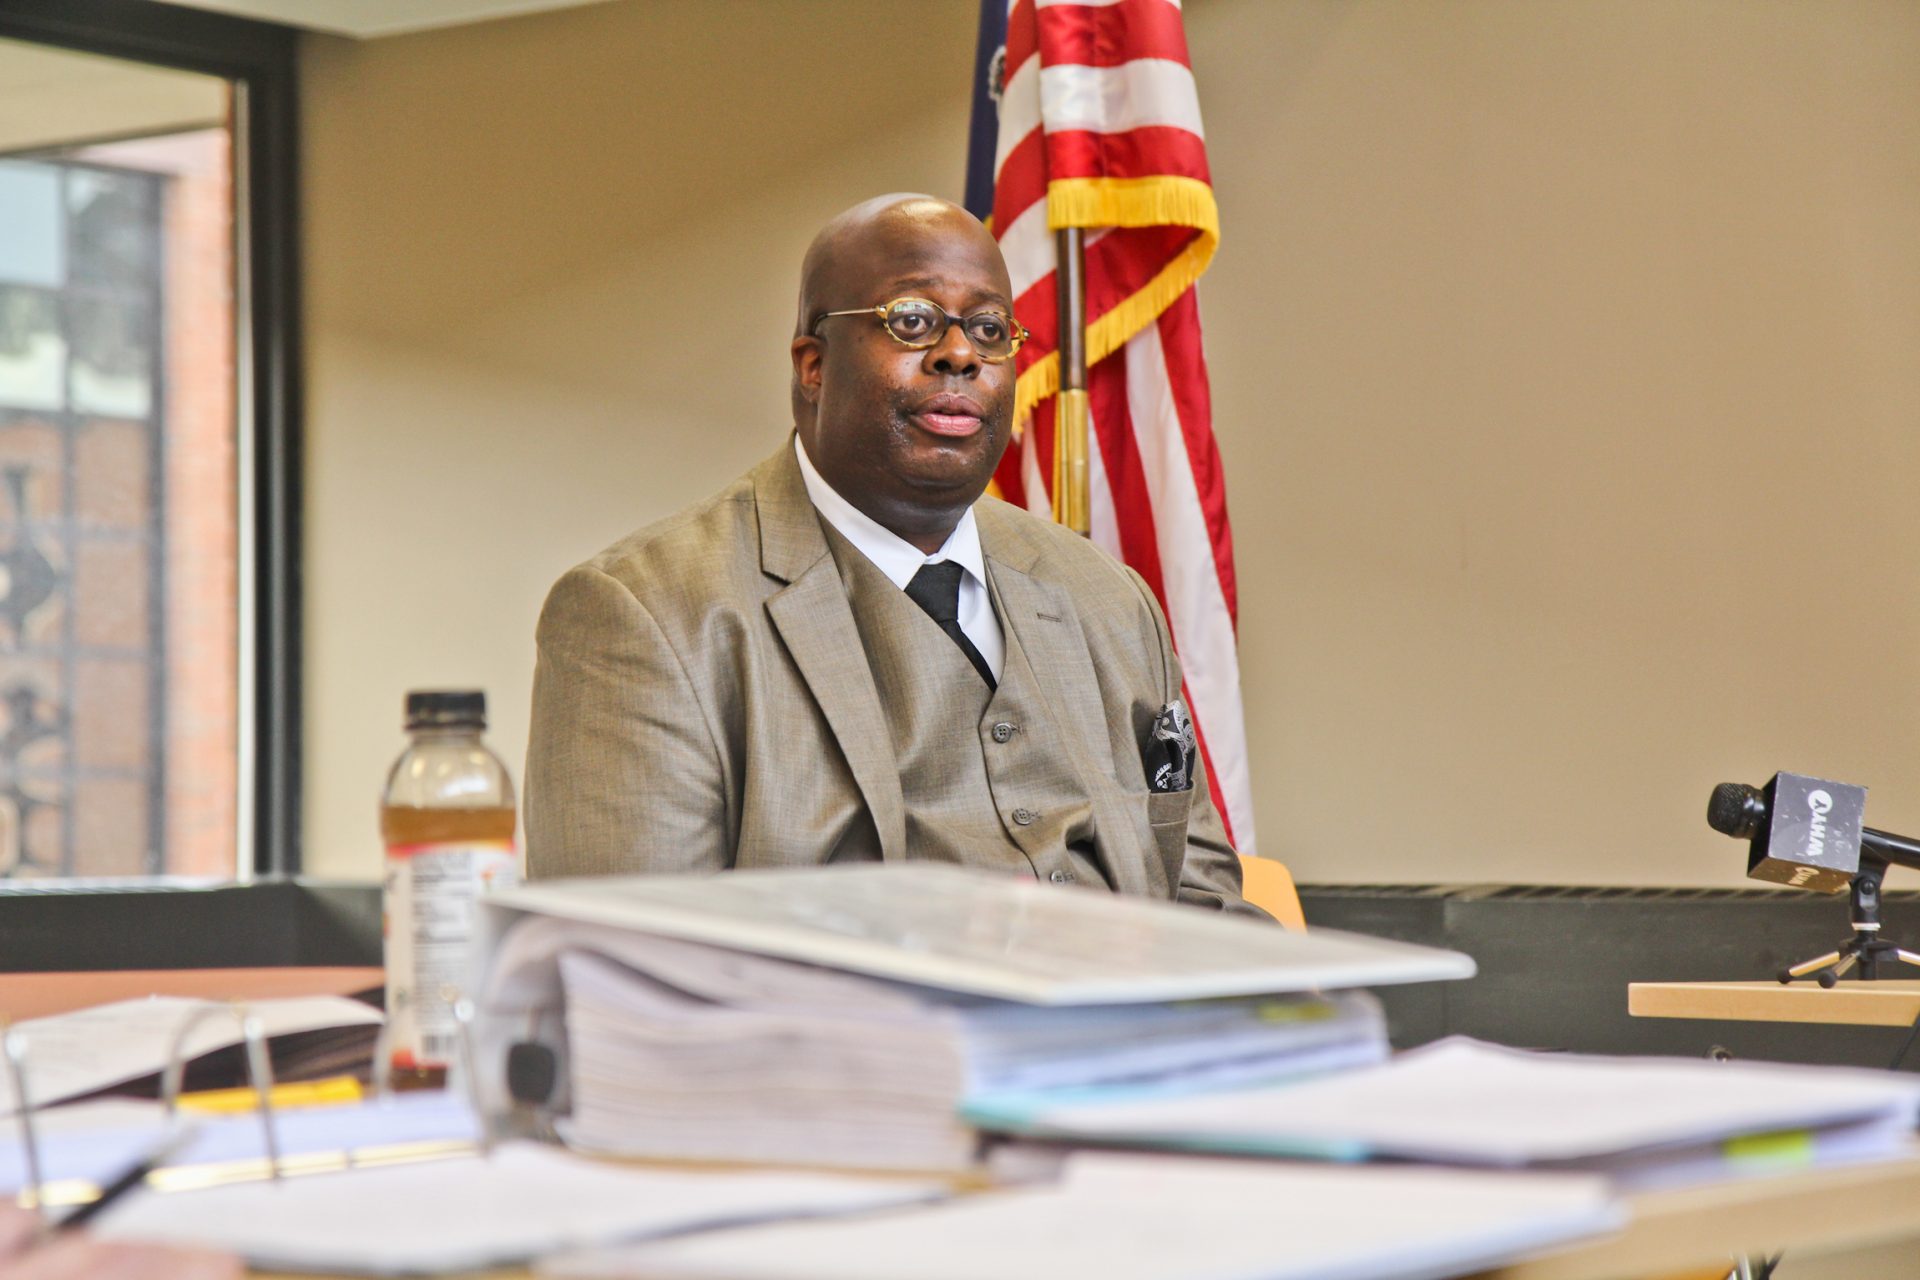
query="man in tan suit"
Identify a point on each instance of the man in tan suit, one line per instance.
(849, 653)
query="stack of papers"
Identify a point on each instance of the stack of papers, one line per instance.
(688, 1051)
(1159, 1218)
(1640, 1121)
(844, 1015)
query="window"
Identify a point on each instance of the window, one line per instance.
(119, 505)
(148, 442)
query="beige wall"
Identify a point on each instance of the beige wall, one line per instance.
(1564, 361)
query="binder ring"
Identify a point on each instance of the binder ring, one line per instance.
(259, 1071)
(14, 1047)
(463, 1015)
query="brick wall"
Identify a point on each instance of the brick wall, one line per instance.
(198, 614)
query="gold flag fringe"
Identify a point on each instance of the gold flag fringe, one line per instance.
(1159, 201)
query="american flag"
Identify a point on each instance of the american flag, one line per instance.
(1098, 126)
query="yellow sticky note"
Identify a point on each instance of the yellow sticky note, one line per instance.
(318, 1093)
(1793, 1146)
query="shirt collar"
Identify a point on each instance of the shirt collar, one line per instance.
(893, 555)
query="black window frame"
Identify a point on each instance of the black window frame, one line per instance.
(261, 59)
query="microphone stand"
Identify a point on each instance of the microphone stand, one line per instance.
(1866, 947)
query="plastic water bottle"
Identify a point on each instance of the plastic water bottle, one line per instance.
(447, 818)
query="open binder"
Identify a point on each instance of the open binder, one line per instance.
(62, 1157)
(416, 1187)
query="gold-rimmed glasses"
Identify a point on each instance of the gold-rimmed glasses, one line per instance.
(917, 323)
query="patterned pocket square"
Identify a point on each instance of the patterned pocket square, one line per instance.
(1170, 748)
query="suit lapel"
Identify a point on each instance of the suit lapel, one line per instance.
(1041, 619)
(1044, 627)
(816, 624)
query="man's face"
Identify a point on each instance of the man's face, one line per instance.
(909, 436)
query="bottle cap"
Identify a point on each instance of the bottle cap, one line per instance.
(446, 709)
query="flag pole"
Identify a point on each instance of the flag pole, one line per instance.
(1072, 411)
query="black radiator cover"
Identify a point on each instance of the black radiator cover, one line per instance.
(1555, 963)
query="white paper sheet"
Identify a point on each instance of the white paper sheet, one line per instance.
(992, 935)
(1468, 1102)
(471, 1213)
(71, 1054)
(1159, 1218)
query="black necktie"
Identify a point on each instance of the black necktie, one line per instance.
(936, 588)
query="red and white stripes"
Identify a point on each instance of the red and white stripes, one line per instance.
(1100, 128)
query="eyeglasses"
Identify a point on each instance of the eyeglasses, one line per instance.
(917, 323)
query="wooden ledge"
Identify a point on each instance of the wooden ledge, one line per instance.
(1891, 1003)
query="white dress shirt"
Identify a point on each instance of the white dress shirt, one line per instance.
(899, 559)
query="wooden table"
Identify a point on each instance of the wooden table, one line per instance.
(1700, 1227)
(35, 995)
(1881, 1003)
(1669, 1232)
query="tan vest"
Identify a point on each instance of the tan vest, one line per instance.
(983, 776)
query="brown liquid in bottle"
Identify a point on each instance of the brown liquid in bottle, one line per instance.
(444, 826)
(404, 825)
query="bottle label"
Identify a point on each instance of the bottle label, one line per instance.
(431, 891)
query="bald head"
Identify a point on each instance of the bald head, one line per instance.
(908, 433)
(865, 240)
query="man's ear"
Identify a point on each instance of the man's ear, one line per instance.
(808, 354)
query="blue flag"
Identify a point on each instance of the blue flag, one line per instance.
(983, 134)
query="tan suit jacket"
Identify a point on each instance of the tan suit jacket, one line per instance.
(702, 700)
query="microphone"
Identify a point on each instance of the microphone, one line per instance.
(1805, 832)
